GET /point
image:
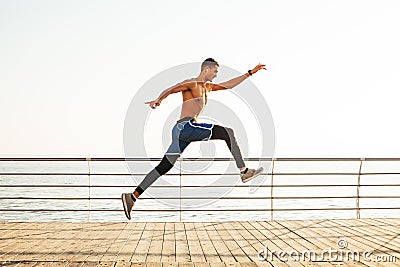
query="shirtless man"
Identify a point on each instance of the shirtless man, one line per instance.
(187, 129)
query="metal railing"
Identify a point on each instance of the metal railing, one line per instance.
(272, 185)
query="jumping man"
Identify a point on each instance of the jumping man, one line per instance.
(187, 129)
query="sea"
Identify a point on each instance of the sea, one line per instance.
(89, 191)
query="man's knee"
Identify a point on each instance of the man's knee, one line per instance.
(230, 132)
(220, 132)
(166, 164)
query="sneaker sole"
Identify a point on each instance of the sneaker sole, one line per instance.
(125, 207)
(257, 173)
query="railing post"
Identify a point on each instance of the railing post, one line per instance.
(180, 190)
(358, 189)
(89, 187)
(272, 189)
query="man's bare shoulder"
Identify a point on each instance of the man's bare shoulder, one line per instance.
(189, 83)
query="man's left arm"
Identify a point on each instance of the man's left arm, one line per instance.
(238, 80)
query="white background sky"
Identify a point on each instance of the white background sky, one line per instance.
(69, 69)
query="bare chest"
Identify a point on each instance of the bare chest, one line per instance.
(198, 93)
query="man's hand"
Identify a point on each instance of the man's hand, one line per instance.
(153, 104)
(258, 67)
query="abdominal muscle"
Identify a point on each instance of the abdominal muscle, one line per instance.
(192, 106)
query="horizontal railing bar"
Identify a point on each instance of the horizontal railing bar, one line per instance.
(190, 210)
(336, 159)
(195, 174)
(191, 198)
(128, 159)
(193, 186)
(189, 159)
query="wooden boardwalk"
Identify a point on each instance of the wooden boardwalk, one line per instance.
(201, 244)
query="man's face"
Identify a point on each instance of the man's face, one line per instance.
(212, 73)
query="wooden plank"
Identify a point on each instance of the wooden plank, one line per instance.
(156, 243)
(379, 248)
(330, 237)
(74, 246)
(267, 244)
(275, 264)
(103, 240)
(96, 243)
(217, 264)
(143, 246)
(277, 243)
(75, 264)
(35, 241)
(253, 245)
(307, 232)
(235, 264)
(259, 240)
(234, 242)
(170, 264)
(358, 230)
(248, 264)
(294, 240)
(134, 232)
(86, 245)
(68, 235)
(210, 253)
(53, 264)
(18, 263)
(385, 229)
(111, 254)
(182, 246)
(8, 230)
(123, 263)
(217, 238)
(48, 243)
(23, 241)
(337, 234)
(195, 249)
(168, 245)
(389, 221)
(294, 236)
(201, 264)
(15, 240)
(78, 250)
(320, 235)
(28, 264)
(313, 234)
(234, 249)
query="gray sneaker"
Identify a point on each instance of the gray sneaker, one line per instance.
(251, 174)
(127, 201)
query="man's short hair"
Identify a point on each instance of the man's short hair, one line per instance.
(209, 62)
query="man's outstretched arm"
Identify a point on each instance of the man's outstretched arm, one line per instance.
(236, 81)
(185, 85)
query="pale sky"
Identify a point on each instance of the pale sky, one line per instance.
(69, 69)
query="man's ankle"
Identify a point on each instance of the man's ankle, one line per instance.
(136, 194)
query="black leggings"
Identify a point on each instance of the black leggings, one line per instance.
(168, 161)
